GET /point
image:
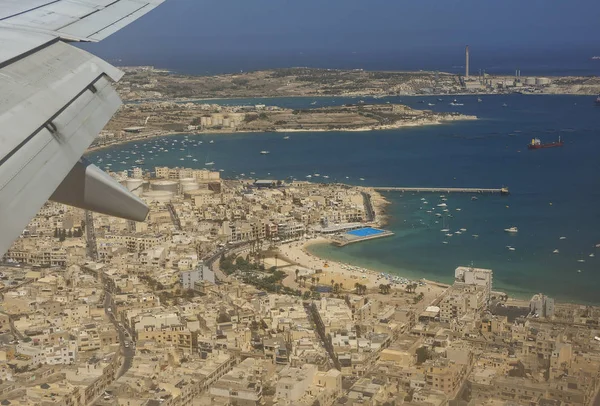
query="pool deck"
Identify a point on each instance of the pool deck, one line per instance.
(346, 238)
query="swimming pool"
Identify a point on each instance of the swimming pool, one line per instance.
(365, 232)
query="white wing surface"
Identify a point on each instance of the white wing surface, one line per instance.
(54, 100)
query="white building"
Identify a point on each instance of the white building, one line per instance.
(542, 306)
(201, 273)
(474, 276)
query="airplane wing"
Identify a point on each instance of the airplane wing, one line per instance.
(54, 100)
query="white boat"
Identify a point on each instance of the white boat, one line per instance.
(195, 160)
(555, 251)
(475, 235)
(264, 152)
(512, 230)
(182, 159)
(438, 214)
(562, 238)
(313, 103)
(316, 175)
(211, 142)
(458, 232)
(445, 230)
(504, 105)
(456, 103)
(444, 242)
(592, 255)
(463, 229)
(581, 260)
(445, 210)
(287, 137)
(511, 248)
(309, 176)
(442, 205)
(449, 235)
(209, 163)
(479, 100)
(430, 104)
(362, 178)
(458, 209)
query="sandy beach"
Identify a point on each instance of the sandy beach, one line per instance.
(295, 256)
(296, 252)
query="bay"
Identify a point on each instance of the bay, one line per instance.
(554, 192)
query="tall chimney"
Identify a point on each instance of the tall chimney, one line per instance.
(467, 62)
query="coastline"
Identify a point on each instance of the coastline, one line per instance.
(346, 274)
(398, 125)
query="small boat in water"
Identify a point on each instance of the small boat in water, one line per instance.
(479, 100)
(456, 103)
(512, 230)
(555, 251)
(264, 152)
(209, 163)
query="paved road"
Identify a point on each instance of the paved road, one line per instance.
(128, 352)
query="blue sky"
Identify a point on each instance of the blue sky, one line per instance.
(239, 27)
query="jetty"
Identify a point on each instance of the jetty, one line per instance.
(502, 191)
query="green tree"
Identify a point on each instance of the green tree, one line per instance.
(422, 355)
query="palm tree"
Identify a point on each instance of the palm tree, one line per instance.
(332, 282)
(382, 288)
(336, 287)
(357, 286)
(297, 272)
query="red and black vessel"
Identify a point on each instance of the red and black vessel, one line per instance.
(537, 144)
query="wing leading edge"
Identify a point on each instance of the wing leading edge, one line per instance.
(54, 100)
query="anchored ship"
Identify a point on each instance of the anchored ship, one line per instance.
(537, 144)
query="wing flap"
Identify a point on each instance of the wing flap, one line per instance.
(33, 89)
(33, 171)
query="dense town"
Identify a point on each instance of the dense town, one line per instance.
(203, 304)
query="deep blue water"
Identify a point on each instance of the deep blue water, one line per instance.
(554, 192)
(552, 62)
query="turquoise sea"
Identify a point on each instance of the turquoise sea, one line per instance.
(554, 192)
